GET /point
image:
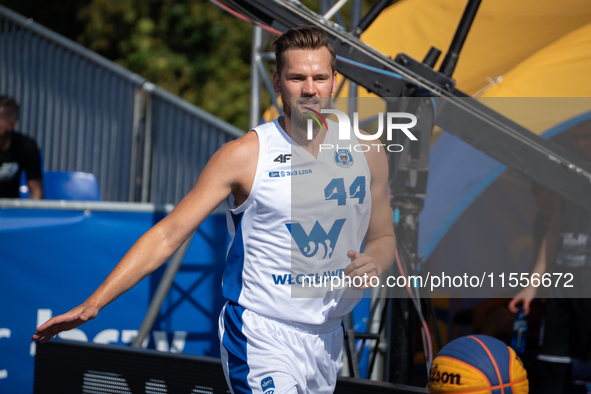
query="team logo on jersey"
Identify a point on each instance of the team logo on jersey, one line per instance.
(318, 241)
(267, 383)
(343, 158)
(274, 174)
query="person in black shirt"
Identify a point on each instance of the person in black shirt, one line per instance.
(18, 152)
(565, 348)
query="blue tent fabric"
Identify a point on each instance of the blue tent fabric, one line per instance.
(459, 174)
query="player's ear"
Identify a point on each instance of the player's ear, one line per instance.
(334, 82)
(276, 82)
(11, 125)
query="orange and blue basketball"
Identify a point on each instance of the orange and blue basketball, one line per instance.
(477, 364)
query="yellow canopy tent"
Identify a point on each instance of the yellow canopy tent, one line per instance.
(528, 48)
(503, 35)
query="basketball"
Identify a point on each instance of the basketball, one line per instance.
(477, 364)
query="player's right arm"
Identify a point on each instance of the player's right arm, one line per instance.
(230, 170)
(527, 295)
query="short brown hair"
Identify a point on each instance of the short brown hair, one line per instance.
(305, 37)
(8, 108)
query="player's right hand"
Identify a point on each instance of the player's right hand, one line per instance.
(525, 297)
(69, 320)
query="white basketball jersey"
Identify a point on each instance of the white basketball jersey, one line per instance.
(293, 232)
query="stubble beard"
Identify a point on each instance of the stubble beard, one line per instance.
(299, 118)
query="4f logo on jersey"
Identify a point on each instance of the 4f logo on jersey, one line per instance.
(318, 241)
(283, 158)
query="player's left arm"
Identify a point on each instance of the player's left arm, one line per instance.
(380, 242)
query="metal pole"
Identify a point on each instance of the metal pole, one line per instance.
(451, 59)
(269, 87)
(255, 80)
(161, 292)
(355, 12)
(148, 87)
(334, 9)
(371, 16)
(355, 17)
(138, 97)
(324, 6)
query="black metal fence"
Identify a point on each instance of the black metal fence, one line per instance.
(89, 114)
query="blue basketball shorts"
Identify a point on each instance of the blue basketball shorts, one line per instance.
(270, 356)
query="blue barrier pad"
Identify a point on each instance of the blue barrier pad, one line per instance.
(53, 259)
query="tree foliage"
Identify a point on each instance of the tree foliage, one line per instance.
(190, 48)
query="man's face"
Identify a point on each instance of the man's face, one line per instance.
(581, 137)
(5, 126)
(308, 79)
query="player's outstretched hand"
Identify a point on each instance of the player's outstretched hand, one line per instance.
(69, 320)
(525, 297)
(364, 267)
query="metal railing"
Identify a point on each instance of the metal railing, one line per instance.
(88, 114)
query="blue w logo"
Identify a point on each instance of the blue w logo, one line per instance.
(310, 244)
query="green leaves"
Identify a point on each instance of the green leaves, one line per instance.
(190, 48)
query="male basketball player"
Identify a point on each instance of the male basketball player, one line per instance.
(280, 190)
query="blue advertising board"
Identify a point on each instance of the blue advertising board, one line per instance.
(52, 260)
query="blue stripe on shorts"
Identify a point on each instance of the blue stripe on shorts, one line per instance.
(235, 343)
